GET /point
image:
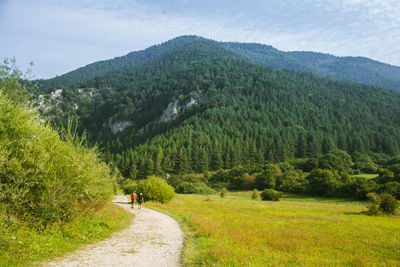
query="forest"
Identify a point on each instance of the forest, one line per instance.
(244, 114)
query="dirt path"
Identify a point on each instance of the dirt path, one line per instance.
(154, 239)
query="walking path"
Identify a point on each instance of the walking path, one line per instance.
(154, 239)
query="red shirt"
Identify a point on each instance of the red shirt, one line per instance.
(133, 195)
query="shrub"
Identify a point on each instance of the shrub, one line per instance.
(271, 194)
(388, 204)
(155, 188)
(392, 188)
(361, 187)
(223, 192)
(128, 187)
(267, 179)
(254, 194)
(322, 182)
(384, 203)
(44, 174)
(293, 181)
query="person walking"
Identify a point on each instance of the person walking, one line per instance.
(140, 200)
(133, 199)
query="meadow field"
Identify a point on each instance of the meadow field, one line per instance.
(297, 231)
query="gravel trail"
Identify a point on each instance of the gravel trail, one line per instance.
(154, 239)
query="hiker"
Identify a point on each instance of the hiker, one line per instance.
(133, 199)
(140, 200)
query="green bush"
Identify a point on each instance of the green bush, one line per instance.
(322, 182)
(270, 194)
(42, 175)
(388, 204)
(254, 194)
(267, 179)
(223, 192)
(384, 203)
(128, 187)
(155, 188)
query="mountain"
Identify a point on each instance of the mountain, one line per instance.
(358, 69)
(128, 61)
(203, 107)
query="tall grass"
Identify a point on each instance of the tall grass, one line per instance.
(238, 231)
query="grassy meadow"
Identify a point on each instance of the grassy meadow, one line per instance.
(365, 175)
(297, 231)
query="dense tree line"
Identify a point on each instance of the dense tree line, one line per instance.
(328, 175)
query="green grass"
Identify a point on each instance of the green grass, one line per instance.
(22, 244)
(297, 231)
(366, 175)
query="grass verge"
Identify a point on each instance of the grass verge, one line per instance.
(22, 244)
(297, 231)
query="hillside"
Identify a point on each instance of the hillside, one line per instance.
(201, 107)
(358, 69)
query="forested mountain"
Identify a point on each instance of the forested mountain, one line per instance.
(202, 107)
(351, 68)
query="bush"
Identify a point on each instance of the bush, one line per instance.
(384, 203)
(223, 192)
(155, 188)
(392, 188)
(254, 194)
(267, 179)
(271, 194)
(388, 204)
(128, 187)
(42, 175)
(322, 182)
(293, 181)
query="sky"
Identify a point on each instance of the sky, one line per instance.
(61, 35)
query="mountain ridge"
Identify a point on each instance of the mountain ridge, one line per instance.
(359, 69)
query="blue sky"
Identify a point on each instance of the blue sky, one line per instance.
(62, 35)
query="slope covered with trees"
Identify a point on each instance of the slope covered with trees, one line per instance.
(243, 113)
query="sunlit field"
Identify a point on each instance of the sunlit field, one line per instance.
(298, 230)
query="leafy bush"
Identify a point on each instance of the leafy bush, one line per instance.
(155, 188)
(322, 182)
(128, 187)
(361, 187)
(194, 188)
(384, 203)
(388, 204)
(392, 188)
(293, 181)
(271, 194)
(189, 184)
(254, 194)
(223, 192)
(43, 176)
(267, 179)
